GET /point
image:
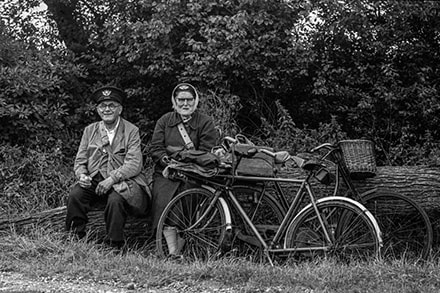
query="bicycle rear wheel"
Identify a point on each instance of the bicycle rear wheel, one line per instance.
(197, 237)
(406, 228)
(265, 213)
(353, 234)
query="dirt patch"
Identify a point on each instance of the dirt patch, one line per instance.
(19, 283)
(14, 282)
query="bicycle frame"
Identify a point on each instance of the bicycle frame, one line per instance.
(226, 191)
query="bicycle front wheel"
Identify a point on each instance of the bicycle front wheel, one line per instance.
(352, 231)
(199, 227)
(406, 228)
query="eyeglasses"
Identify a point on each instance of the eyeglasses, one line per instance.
(182, 101)
(111, 106)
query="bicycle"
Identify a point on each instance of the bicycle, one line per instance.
(406, 228)
(201, 217)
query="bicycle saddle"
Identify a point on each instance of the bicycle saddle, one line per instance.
(281, 157)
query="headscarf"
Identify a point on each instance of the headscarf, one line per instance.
(185, 87)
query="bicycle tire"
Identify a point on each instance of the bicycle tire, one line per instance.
(406, 228)
(202, 241)
(265, 213)
(354, 235)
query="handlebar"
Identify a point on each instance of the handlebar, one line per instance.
(267, 152)
(243, 139)
(279, 157)
(252, 151)
(326, 145)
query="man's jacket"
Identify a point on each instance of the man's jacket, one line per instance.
(122, 160)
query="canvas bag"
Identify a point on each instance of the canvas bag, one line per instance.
(259, 164)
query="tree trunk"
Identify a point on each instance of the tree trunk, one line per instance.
(136, 229)
(420, 183)
(71, 31)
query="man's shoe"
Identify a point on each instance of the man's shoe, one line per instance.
(116, 246)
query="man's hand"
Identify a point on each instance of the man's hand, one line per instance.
(85, 181)
(164, 161)
(104, 186)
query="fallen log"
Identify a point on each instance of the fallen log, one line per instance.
(136, 229)
(420, 183)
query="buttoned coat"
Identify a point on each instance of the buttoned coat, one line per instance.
(203, 134)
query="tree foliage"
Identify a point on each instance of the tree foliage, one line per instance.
(377, 69)
(270, 68)
(36, 97)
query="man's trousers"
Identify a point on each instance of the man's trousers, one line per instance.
(80, 202)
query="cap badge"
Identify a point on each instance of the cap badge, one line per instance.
(183, 87)
(106, 93)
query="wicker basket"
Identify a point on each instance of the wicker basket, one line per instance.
(359, 157)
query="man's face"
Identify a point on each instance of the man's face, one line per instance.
(109, 111)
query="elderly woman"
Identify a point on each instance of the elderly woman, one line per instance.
(185, 127)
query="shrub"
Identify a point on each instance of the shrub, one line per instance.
(223, 108)
(281, 132)
(32, 179)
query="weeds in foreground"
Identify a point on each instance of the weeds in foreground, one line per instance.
(32, 180)
(42, 254)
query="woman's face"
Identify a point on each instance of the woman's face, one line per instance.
(185, 103)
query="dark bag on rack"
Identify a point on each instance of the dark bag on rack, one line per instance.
(201, 158)
(258, 164)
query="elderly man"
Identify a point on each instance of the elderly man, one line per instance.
(108, 167)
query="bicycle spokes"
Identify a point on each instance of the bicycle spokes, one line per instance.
(350, 232)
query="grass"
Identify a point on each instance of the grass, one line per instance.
(41, 254)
